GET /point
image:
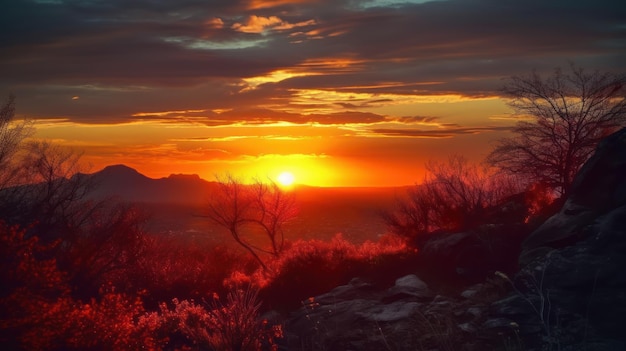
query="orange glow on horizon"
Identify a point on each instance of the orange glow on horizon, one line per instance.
(334, 148)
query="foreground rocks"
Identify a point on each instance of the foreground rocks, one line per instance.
(358, 317)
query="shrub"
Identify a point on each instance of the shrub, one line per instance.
(31, 282)
(312, 267)
(234, 325)
(454, 196)
(172, 269)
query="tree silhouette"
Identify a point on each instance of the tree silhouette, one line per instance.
(243, 210)
(12, 134)
(568, 114)
(43, 191)
(454, 196)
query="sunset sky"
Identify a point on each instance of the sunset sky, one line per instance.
(338, 92)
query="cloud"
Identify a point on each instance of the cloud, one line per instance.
(188, 54)
(263, 4)
(417, 119)
(215, 22)
(256, 24)
(437, 133)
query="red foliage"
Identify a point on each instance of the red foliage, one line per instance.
(234, 325)
(30, 282)
(172, 269)
(538, 199)
(312, 267)
(41, 312)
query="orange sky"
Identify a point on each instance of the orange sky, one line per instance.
(340, 93)
(345, 154)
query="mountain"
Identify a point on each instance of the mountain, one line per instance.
(126, 184)
(176, 201)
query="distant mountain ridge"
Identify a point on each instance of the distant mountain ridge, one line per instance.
(173, 201)
(127, 184)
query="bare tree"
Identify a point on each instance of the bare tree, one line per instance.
(454, 195)
(243, 210)
(107, 243)
(38, 186)
(570, 113)
(49, 198)
(273, 208)
(12, 134)
(412, 214)
(42, 190)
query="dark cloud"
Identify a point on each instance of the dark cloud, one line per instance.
(364, 104)
(193, 54)
(264, 116)
(417, 119)
(437, 133)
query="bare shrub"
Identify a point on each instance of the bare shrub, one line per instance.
(454, 196)
(243, 210)
(236, 324)
(310, 267)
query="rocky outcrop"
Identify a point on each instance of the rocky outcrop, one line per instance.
(471, 257)
(571, 287)
(356, 316)
(598, 189)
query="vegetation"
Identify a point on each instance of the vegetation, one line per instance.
(12, 134)
(454, 196)
(567, 115)
(79, 274)
(243, 209)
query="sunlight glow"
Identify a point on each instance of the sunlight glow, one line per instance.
(286, 179)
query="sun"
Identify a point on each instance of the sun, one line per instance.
(286, 179)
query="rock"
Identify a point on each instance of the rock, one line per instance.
(468, 328)
(411, 281)
(408, 286)
(598, 188)
(561, 229)
(474, 311)
(355, 289)
(500, 323)
(571, 286)
(472, 291)
(600, 184)
(390, 312)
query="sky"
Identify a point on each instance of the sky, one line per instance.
(338, 92)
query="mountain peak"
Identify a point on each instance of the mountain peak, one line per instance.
(120, 173)
(119, 168)
(180, 176)
(127, 184)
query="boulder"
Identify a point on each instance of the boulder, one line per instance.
(408, 286)
(570, 290)
(599, 188)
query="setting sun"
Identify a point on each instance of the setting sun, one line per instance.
(286, 179)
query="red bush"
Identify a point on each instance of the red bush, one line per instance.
(311, 267)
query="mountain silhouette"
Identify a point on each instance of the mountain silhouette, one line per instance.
(127, 184)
